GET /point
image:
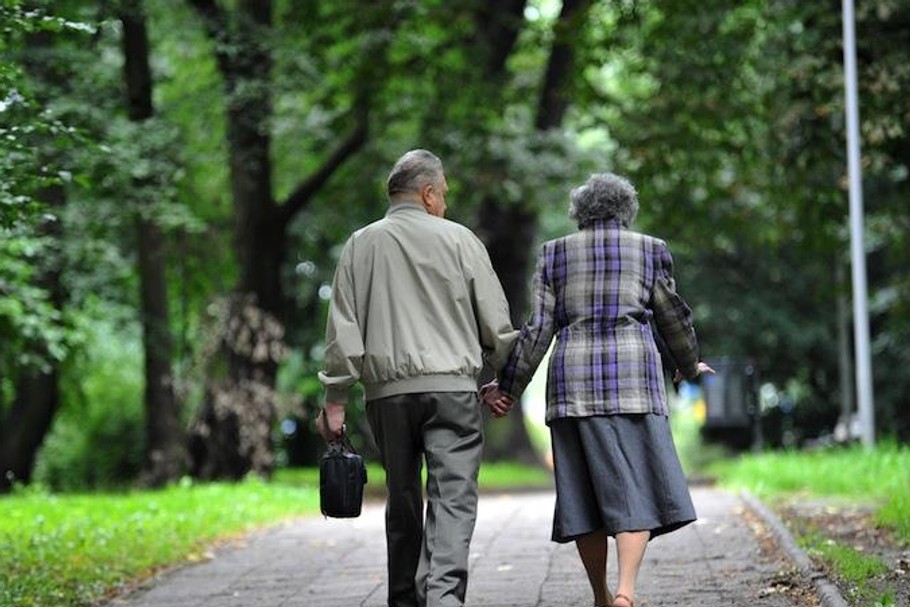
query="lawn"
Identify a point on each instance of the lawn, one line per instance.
(73, 550)
(822, 496)
(879, 476)
(494, 476)
(67, 550)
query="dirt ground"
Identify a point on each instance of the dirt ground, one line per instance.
(788, 580)
(853, 526)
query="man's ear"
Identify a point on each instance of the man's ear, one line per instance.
(425, 196)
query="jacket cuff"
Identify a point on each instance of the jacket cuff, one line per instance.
(691, 371)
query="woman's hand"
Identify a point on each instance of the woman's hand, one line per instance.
(703, 368)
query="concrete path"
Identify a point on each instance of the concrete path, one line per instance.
(321, 562)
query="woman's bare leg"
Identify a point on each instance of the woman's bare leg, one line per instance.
(630, 549)
(592, 548)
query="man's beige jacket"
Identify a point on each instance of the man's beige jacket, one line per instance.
(415, 307)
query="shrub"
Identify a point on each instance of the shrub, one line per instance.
(98, 437)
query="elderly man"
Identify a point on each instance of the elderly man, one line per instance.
(415, 308)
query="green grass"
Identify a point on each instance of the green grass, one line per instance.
(70, 550)
(494, 476)
(74, 550)
(851, 565)
(500, 476)
(880, 476)
(854, 566)
(695, 456)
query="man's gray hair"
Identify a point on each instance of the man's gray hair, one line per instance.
(414, 170)
(604, 196)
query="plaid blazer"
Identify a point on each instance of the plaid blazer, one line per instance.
(599, 292)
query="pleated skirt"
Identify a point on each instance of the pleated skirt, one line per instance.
(617, 473)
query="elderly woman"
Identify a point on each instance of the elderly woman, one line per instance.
(601, 292)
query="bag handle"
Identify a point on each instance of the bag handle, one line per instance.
(342, 444)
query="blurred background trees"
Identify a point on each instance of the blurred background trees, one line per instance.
(177, 178)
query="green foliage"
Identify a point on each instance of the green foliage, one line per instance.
(695, 455)
(62, 551)
(729, 119)
(98, 438)
(33, 331)
(23, 120)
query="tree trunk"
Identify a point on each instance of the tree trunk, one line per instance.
(231, 435)
(166, 455)
(512, 228)
(29, 420)
(557, 86)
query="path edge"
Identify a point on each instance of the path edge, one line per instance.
(829, 594)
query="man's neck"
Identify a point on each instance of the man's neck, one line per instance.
(405, 200)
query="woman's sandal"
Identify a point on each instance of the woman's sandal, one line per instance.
(624, 598)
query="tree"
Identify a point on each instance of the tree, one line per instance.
(31, 320)
(166, 455)
(737, 146)
(511, 229)
(239, 408)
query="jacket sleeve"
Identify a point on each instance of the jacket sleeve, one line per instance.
(343, 337)
(535, 337)
(491, 310)
(672, 316)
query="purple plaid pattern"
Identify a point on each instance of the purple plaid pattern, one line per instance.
(597, 291)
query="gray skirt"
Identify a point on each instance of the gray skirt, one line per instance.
(617, 473)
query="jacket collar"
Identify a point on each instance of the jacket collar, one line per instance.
(401, 207)
(605, 224)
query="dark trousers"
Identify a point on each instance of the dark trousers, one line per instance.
(428, 560)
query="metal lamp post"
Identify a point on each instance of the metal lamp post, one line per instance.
(857, 247)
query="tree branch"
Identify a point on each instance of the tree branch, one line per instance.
(554, 98)
(303, 193)
(497, 27)
(215, 20)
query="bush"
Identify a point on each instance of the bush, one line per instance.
(98, 437)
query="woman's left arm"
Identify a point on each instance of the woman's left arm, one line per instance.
(536, 335)
(673, 317)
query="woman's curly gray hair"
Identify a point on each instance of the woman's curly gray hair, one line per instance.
(604, 196)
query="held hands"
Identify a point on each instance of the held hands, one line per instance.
(499, 403)
(702, 369)
(330, 422)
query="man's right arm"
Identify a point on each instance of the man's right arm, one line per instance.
(343, 338)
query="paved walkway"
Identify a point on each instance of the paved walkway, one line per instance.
(333, 563)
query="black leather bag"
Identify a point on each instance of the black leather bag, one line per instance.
(342, 475)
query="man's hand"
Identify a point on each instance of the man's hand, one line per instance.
(330, 422)
(499, 403)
